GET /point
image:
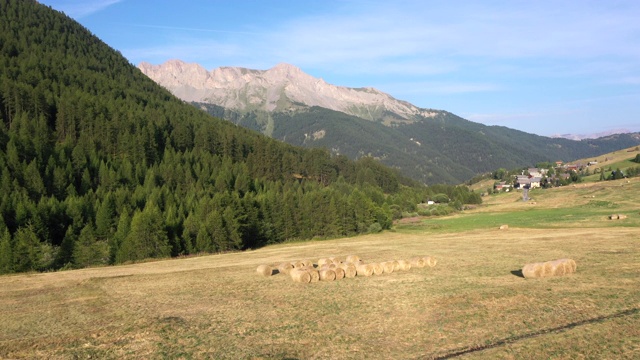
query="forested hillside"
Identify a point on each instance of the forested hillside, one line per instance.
(444, 148)
(99, 165)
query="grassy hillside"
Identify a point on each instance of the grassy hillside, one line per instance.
(472, 302)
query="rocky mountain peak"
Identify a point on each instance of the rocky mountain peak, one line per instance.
(281, 88)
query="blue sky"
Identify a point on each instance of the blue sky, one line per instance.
(544, 67)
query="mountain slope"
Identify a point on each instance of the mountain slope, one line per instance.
(432, 146)
(441, 149)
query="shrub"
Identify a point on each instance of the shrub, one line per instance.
(374, 228)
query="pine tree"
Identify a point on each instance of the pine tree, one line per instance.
(122, 231)
(88, 251)
(147, 237)
(105, 218)
(6, 253)
(26, 251)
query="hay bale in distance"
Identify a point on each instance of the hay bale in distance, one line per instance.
(378, 269)
(323, 261)
(264, 270)
(307, 263)
(417, 262)
(335, 260)
(388, 267)
(315, 275)
(364, 270)
(546, 269)
(349, 270)
(569, 265)
(404, 265)
(352, 259)
(298, 264)
(529, 271)
(396, 265)
(430, 261)
(558, 267)
(285, 267)
(504, 227)
(327, 275)
(299, 275)
(621, 216)
(613, 217)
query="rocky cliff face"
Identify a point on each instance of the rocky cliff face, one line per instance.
(281, 88)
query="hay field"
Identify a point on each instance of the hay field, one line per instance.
(473, 304)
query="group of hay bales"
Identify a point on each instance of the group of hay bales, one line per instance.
(558, 267)
(335, 268)
(617, 217)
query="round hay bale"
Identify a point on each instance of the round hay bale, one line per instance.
(504, 227)
(546, 269)
(613, 217)
(336, 260)
(301, 276)
(621, 217)
(298, 264)
(430, 261)
(404, 265)
(378, 269)
(339, 273)
(349, 270)
(285, 267)
(364, 270)
(558, 267)
(352, 258)
(327, 275)
(417, 262)
(307, 263)
(315, 275)
(388, 267)
(570, 265)
(323, 261)
(396, 265)
(264, 270)
(529, 271)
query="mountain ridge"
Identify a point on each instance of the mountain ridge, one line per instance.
(279, 88)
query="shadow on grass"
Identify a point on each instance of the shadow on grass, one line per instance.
(517, 273)
(513, 339)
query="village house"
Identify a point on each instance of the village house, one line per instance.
(535, 172)
(502, 186)
(527, 180)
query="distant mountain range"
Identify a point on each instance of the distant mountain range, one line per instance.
(591, 136)
(433, 146)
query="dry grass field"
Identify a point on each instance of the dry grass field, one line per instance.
(473, 304)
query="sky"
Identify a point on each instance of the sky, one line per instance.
(545, 67)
